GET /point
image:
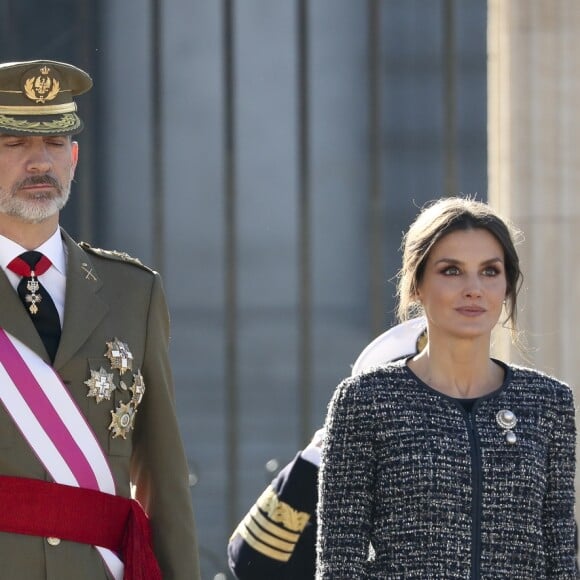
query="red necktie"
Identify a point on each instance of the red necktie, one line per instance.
(36, 299)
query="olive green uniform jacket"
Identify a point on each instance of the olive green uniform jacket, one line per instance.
(108, 296)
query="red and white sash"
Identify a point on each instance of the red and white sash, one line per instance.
(49, 419)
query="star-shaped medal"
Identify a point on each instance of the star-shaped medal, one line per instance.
(120, 356)
(123, 420)
(137, 388)
(100, 385)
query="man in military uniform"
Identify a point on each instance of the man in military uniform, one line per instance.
(277, 537)
(86, 398)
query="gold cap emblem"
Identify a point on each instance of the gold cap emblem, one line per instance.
(42, 88)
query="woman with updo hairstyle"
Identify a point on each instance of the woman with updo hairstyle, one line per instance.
(450, 464)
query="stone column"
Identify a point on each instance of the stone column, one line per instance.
(534, 166)
(534, 169)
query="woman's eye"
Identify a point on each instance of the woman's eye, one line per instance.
(450, 271)
(491, 271)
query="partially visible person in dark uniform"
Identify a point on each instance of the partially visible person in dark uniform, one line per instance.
(277, 537)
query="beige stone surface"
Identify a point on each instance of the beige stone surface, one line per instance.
(534, 168)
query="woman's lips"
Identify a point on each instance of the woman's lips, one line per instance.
(471, 310)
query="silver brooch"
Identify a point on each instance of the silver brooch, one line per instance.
(507, 421)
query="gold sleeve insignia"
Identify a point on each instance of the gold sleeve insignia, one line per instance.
(272, 527)
(281, 512)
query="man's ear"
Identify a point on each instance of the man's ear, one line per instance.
(75, 157)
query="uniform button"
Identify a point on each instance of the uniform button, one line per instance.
(53, 541)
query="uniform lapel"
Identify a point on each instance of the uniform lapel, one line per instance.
(15, 320)
(83, 309)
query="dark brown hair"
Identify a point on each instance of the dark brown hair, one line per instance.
(435, 221)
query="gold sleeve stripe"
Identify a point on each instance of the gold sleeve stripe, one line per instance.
(276, 531)
(261, 547)
(281, 512)
(254, 528)
(271, 529)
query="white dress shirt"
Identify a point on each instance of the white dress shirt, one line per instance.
(54, 279)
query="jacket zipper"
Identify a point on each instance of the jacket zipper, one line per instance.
(476, 500)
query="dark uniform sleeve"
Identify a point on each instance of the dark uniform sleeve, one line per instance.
(277, 537)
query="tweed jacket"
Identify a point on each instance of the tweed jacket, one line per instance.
(107, 297)
(438, 491)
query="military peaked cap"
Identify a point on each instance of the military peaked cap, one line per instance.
(36, 97)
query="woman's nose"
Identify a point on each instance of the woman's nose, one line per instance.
(473, 287)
